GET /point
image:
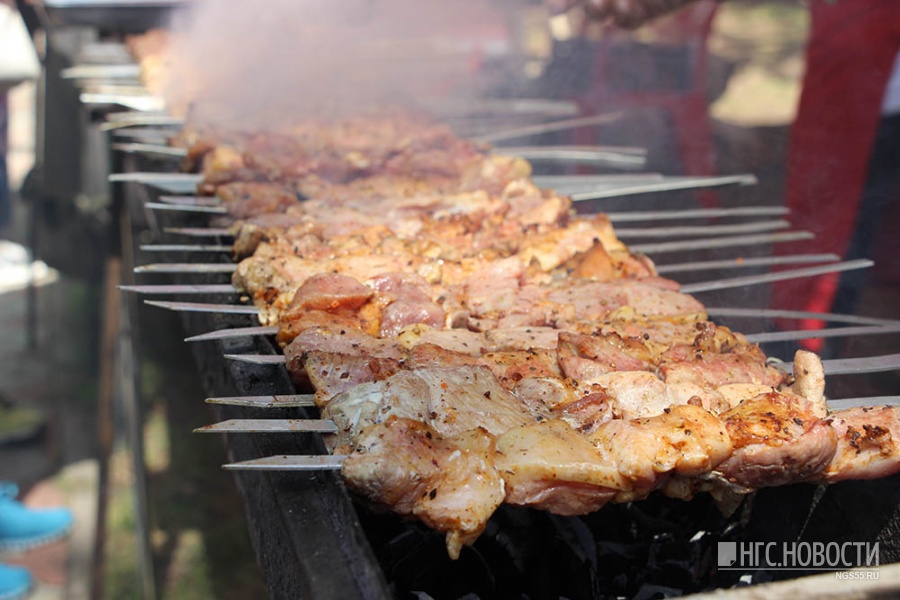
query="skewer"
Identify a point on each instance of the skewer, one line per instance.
(665, 186)
(233, 309)
(187, 268)
(324, 462)
(652, 232)
(143, 102)
(328, 426)
(125, 71)
(562, 125)
(698, 213)
(522, 150)
(270, 426)
(138, 120)
(809, 334)
(235, 332)
(200, 231)
(191, 200)
(223, 288)
(671, 232)
(844, 366)
(687, 289)
(186, 248)
(151, 149)
(844, 403)
(575, 154)
(856, 366)
(285, 462)
(723, 242)
(775, 313)
(623, 217)
(258, 359)
(721, 284)
(876, 324)
(192, 208)
(658, 248)
(759, 261)
(201, 204)
(154, 177)
(279, 401)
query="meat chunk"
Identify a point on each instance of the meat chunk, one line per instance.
(551, 466)
(584, 357)
(450, 484)
(867, 446)
(451, 400)
(710, 369)
(778, 439)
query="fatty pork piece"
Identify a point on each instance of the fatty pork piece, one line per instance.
(449, 484)
(551, 466)
(385, 306)
(778, 439)
(867, 446)
(451, 400)
(711, 364)
(273, 278)
(503, 295)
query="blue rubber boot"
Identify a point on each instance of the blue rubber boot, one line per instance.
(15, 582)
(22, 528)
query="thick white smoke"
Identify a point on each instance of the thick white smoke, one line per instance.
(272, 61)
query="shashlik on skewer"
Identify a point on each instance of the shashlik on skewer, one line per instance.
(488, 347)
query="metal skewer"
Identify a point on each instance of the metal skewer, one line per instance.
(698, 213)
(234, 309)
(236, 332)
(670, 232)
(191, 200)
(280, 401)
(747, 240)
(151, 149)
(871, 364)
(877, 326)
(223, 288)
(270, 426)
(665, 186)
(560, 125)
(775, 313)
(324, 462)
(186, 248)
(759, 261)
(724, 242)
(722, 284)
(187, 268)
(188, 208)
(200, 231)
(809, 334)
(328, 426)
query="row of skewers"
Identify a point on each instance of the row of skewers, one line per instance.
(474, 315)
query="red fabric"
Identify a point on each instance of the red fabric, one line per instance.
(850, 54)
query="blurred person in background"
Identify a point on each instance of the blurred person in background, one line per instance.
(844, 145)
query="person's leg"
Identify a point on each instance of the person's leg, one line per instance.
(882, 188)
(23, 528)
(15, 582)
(850, 54)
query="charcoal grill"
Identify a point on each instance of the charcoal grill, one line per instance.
(312, 540)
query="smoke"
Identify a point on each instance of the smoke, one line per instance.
(276, 61)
